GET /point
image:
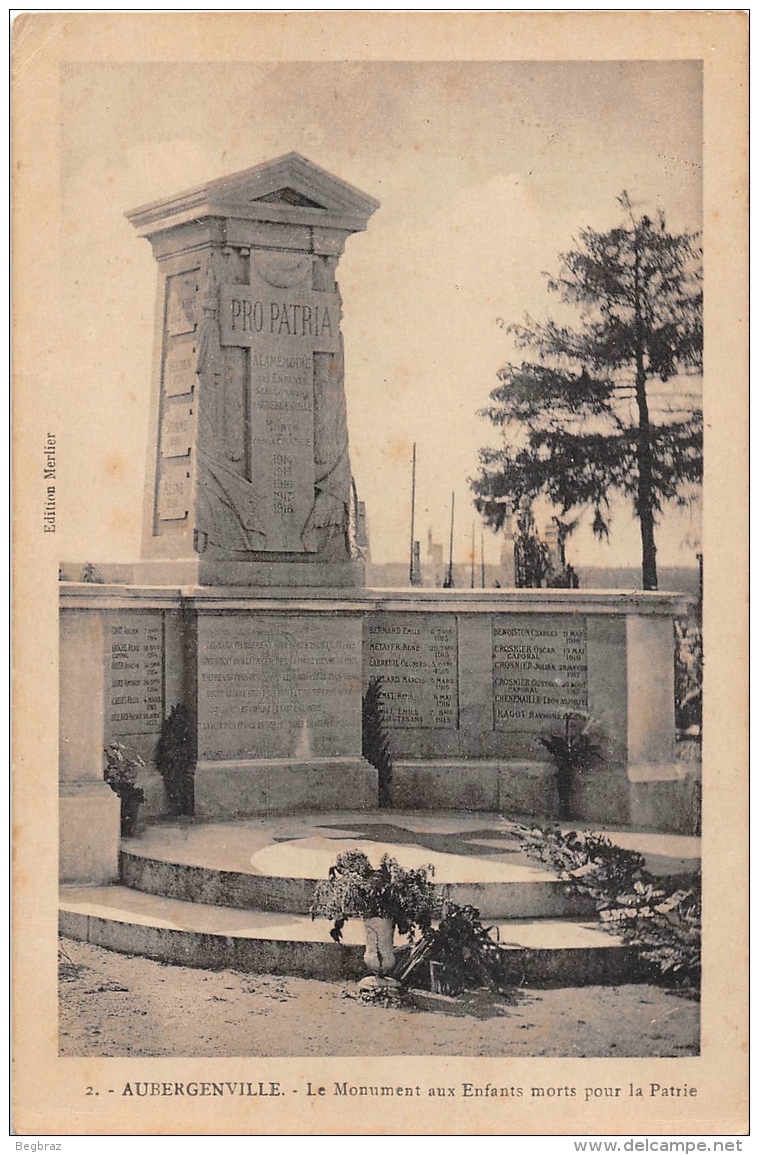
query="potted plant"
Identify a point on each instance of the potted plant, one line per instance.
(121, 770)
(387, 897)
(573, 751)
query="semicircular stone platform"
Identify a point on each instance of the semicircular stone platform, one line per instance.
(237, 894)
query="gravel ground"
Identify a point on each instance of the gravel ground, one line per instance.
(114, 1005)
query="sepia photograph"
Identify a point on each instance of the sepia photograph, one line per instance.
(372, 518)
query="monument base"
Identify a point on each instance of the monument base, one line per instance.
(601, 795)
(200, 571)
(477, 784)
(89, 828)
(666, 797)
(283, 786)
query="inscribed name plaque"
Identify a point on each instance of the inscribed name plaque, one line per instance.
(179, 368)
(174, 491)
(134, 675)
(416, 656)
(540, 669)
(182, 303)
(276, 687)
(177, 430)
(283, 327)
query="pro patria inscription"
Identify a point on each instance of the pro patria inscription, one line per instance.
(283, 328)
(250, 314)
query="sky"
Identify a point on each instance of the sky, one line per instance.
(485, 172)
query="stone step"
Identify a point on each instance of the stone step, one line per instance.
(542, 951)
(516, 898)
(275, 864)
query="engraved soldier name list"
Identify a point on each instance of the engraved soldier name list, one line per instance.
(134, 664)
(540, 669)
(416, 656)
(177, 410)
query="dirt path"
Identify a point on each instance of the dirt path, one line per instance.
(115, 1005)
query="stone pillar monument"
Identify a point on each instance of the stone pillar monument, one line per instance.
(244, 630)
(248, 479)
(551, 538)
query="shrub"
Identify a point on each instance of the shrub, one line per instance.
(174, 759)
(688, 675)
(375, 742)
(467, 957)
(659, 916)
(122, 767)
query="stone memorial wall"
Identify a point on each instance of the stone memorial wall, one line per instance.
(279, 686)
(540, 669)
(416, 657)
(134, 665)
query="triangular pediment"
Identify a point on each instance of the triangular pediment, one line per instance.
(289, 196)
(289, 177)
(290, 182)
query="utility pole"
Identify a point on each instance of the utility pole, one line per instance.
(472, 581)
(448, 583)
(482, 557)
(413, 499)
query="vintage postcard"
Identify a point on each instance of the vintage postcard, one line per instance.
(381, 456)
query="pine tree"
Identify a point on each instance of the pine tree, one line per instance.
(606, 407)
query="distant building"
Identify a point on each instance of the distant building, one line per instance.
(433, 570)
(360, 527)
(416, 566)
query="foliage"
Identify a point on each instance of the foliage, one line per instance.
(390, 997)
(67, 968)
(122, 768)
(688, 674)
(573, 752)
(468, 957)
(574, 749)
(174, 759)
(375, 742)
(356, 889)
(563, 579)
(531, 559)
(588, 416)
(90, 573)
(660, 916)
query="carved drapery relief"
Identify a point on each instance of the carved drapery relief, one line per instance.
(330, 512)
(228, 503)
(231, 508)
(283, 270)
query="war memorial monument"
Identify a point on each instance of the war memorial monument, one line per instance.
(248, 609)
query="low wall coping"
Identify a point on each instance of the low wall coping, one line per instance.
(92, 595)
